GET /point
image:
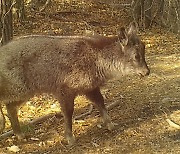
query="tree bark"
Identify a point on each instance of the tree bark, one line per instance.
(20, 11)
(6, 21)
(163, 12)
(142, 13)
(148, 15)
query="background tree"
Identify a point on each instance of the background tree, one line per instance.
(142, 12)
(162, 12)
(6, 27)
(20, 10)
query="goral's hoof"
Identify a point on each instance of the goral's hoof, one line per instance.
(111, 126)
(21, 137)
(71, 140)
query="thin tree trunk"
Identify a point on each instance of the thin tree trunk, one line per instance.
(20, 11)
(148, 15)
(6, 21)
(142, 13)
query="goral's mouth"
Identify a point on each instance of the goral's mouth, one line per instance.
(140, 75)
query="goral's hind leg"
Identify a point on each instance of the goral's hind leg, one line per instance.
(67, 108)
(13, 117)
(96, 97)
(2, 120)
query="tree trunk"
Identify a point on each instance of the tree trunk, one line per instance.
(148, 15)
(20, 11)
(163, 12)
(142, 13)
(6, 21)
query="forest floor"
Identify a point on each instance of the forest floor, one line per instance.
(148, 115)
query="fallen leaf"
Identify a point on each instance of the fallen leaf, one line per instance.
(172, 124)
(13, 148)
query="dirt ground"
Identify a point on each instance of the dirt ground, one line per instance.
(148, 110)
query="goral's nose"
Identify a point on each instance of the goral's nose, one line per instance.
(147, 72)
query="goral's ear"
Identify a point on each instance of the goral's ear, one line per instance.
(123, 38)
(133, 28)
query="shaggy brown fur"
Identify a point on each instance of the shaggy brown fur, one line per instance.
(66, 66)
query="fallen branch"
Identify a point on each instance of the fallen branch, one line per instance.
(59, 115)
(33, 122)
(112, 105)
(109, 107)
(84, 114)
(6, 134)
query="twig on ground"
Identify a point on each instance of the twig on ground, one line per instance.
(173, 124)
(84, 114)
(112, 105)
(45, 5)
(33, 122)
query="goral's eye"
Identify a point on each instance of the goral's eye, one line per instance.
(136, 57)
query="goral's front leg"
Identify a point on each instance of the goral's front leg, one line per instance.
(13, 117)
